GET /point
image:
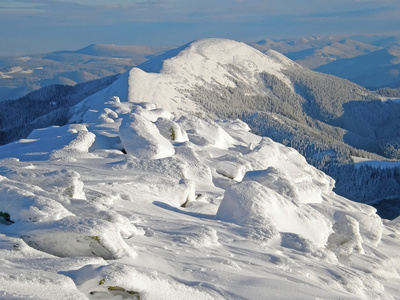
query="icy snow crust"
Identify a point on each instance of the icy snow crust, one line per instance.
(138, 201)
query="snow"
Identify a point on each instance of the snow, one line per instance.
(194, 209)
(378, 164)
(54, 142)
(391, 99)
(267, 213)
(141, 137)
(25, 58)
(13, 71)
(74, 236)
(5, 76)
(208, 61)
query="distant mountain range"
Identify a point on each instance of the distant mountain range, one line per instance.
(313, 52)
(373, 70)
(372, 62)
(21, 75)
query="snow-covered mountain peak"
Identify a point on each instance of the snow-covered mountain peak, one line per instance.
(204, 63)
(171, 80)
(225, 52)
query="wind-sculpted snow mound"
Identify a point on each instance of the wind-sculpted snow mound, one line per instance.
(141, 203)
(346, 237)
(311, 183)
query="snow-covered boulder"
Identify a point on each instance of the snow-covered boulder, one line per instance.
(166, 178)
(22, 203)
(346, 237)
(310, 182)
(150, 112)
(276, 180)
(73, 236)
(119, 281)
(141, 138)
(205, 132)
(251, 204)
(193, 168)
(80, 145)
(171, 130)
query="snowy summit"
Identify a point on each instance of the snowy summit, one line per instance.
(142, 196)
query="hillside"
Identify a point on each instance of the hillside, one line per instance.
(327, 119)
(247, 82)
(44, 107)
(133, 201)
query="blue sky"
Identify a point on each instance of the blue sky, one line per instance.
(37, 26)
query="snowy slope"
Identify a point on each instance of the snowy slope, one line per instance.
(217, 66)
(210, 61)
(204, 63)
(195, 209)
(225, 79)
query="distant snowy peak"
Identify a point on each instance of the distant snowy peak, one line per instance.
(119, 51)
(204, 63)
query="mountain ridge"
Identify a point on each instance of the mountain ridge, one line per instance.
(21, 75)
(359, 70)
(203, 80)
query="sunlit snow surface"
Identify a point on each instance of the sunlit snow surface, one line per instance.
(195, 209)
